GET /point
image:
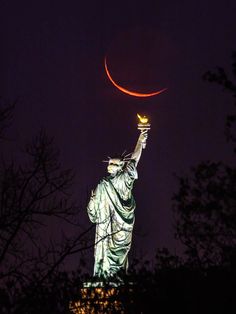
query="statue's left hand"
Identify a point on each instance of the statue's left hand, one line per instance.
(93, 194)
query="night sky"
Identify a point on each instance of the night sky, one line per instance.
(52, 62)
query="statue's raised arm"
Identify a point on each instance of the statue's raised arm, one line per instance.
(139, 146)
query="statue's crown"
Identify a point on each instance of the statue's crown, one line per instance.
(123, 158)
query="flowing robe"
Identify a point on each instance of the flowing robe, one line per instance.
(112, 209)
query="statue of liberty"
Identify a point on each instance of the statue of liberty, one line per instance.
(112, 209)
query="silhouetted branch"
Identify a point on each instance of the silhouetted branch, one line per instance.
(221, 77)
(31, 196)
(6, 114)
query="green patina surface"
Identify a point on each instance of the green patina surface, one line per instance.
(112, 207)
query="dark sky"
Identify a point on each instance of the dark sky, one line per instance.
(52, 56)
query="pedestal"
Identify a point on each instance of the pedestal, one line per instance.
(102, 299)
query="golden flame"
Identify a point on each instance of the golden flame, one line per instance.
(142, 119)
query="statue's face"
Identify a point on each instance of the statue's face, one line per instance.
(114, 165)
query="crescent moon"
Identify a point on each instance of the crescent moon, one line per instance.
(126, 91)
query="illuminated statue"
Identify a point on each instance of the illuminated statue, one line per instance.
(111, 207)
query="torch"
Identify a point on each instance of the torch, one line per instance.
(143, 125)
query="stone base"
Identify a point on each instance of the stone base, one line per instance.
(102, 284)
(101, 299)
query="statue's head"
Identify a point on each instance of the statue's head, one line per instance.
(115, 165)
